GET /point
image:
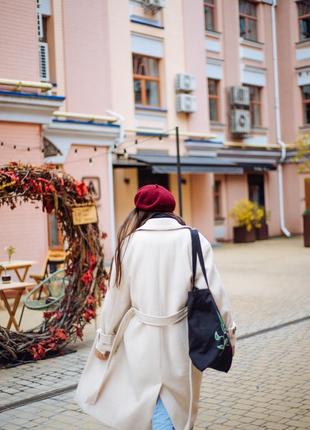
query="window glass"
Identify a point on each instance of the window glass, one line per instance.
(255, 105)
(138, 92)
(152, 93)
(248, 20)
(213, 92)
(306, 103)
(209, 10)
(146, 80)
(303, 7)
(217, 199)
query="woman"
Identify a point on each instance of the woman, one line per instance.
(139, 374)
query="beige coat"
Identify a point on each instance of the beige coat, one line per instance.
(149, 354)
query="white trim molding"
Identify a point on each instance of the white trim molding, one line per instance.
(63, 134)
(29, 108)
(147, 45)
(303, 77)
(302, 54)
(253, 76)
(214, 68)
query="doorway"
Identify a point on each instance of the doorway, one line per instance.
(256, 189)
(146, 177)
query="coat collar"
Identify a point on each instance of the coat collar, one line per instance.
(161, 224)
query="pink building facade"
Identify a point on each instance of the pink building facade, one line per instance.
(99, 89)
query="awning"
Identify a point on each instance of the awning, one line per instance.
(198, 164)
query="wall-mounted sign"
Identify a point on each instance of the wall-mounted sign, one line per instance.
(93, 185)
(84, 215)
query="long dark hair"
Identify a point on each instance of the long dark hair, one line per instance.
(134, 220)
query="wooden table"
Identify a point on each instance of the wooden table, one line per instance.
(18, 288)
(18, 265)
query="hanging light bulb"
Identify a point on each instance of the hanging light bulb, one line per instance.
(28, 149)
(95, 148)
(14, 147)
(75, 151)
(90, 161)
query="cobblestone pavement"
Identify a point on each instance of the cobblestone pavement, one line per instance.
(268, 283)
(267, 388)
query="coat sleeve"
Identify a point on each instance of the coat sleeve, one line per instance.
(219, 294)
(116, 303)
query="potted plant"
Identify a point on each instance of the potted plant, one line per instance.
(243, 214)
(306, 217)
(261, 226)
(10, 250)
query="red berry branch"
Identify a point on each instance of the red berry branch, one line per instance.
(86, 277)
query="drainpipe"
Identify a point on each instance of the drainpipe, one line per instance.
(111, 179)
(278, 119)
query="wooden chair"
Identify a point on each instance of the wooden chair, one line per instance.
(54, 260)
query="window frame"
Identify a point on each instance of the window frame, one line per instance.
(248, 18)
(300, 18)
(143, 79)
(216, 97)
(60, 238)
(256, 102)
(217, 194)
(304, 103)
(212, 7)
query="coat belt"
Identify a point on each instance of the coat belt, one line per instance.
(161, 321)
(158, 321)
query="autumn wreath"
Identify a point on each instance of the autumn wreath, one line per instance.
(85, 274)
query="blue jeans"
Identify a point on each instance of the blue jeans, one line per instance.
(161, 419)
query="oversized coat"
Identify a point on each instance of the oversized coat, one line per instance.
(149, 359)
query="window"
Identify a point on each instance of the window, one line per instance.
(146, 80)
(55, 239)
(217, 199)
(248, 20)
(43, 47)
(304, 19)
(306, 103)
(214, 99)
(209, 6)
(255, 106)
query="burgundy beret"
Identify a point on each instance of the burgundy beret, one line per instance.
(154, 198)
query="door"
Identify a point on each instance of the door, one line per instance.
(256, 189)
(146, 177)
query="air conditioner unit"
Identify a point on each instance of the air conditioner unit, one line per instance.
(240, 121)
(185, 82)
(159, 4)
(240, 96)
(43, 61)
(186, 103)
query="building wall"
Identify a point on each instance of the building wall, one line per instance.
(24, 227)
(86, 53)
(19, 40)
